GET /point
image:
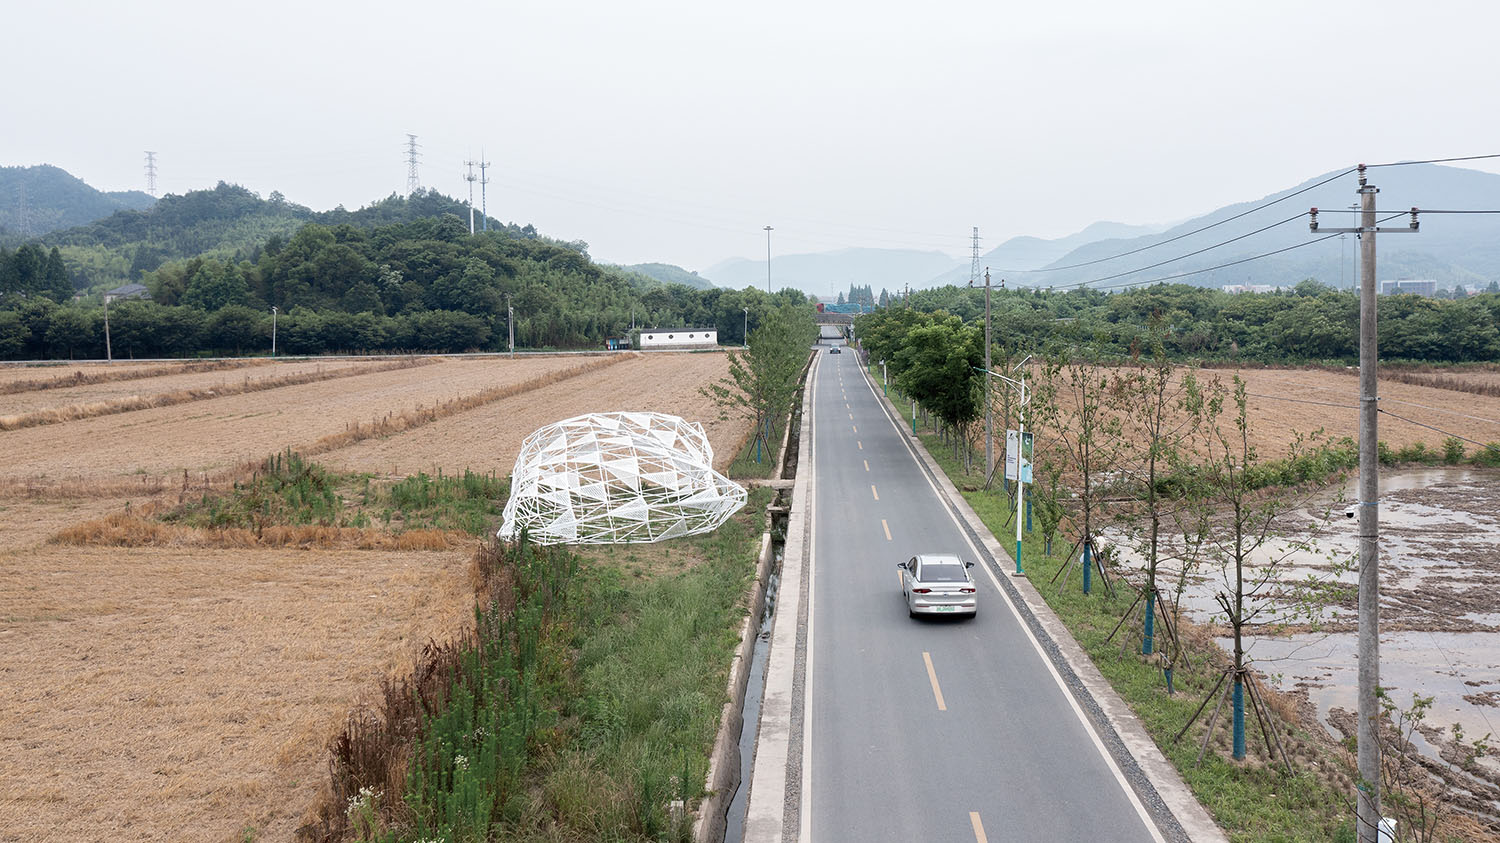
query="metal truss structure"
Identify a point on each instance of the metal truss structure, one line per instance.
(611, 478)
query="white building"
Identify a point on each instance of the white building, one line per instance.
(677, 338)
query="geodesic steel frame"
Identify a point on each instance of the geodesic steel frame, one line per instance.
(607, 478)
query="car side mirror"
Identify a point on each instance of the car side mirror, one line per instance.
(901, 565)
(968, 564)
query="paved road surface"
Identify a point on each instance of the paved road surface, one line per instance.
(927, 730)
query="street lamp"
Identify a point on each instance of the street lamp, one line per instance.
(510, 325)
(1021, 461)
(747, 326)
(768, 259)
(273, 330)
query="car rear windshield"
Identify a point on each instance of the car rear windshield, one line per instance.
(944, 572)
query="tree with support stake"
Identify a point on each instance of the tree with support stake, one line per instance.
(1249, 537)
(1078, 398)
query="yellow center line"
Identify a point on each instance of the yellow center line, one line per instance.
(873, 492)
(867, 465)
(978, 828)
(887, 528)
(900, 580)
(860, 444)
(851, 415)
(932, 676)
(855, 426)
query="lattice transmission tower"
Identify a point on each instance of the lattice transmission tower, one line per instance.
(151, 173)
(974, 263)
(413, 184)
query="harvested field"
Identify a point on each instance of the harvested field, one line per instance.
(18, 378)
(187, 690)
(488, 439)
(1277, 406)
(47, 399)
(188, 695)
(150, 449)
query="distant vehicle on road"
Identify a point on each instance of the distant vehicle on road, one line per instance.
(938, 584)
(834, 350)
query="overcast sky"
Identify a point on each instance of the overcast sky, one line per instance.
(674, 131)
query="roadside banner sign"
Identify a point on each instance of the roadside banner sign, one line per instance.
(1015, 456)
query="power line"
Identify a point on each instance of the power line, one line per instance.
(1430, 427)
(1190, 233)
(1434, 161)
(1220, 266)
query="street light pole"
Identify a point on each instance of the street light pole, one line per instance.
(747, 326)
(768, 259)
(510, 325)
(1021, 461)
(273, 330)
(989, 424)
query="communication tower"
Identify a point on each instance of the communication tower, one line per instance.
(484, 208)
(471, 178)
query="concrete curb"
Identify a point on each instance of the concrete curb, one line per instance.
(724, 762)
(723, 777)
(1173, 792)
(768, 799)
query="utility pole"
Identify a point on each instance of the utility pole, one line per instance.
(1367, 807)
(768, 259)
(109, 354)
(484, 207)
(471, 178)
(273, 330)
(989, 424)
(510, 325)
(151, 173)
(413, 184)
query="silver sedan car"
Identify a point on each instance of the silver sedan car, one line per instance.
(938, 584)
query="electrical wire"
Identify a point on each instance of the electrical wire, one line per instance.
(1430, 427)
(1431, 161)
(1302, 401)
(1186, 234)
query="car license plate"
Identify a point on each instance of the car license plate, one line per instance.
(943, 608)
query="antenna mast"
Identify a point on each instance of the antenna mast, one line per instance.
(471, 178)
(413, 184)
(484, 208)
(151, 173)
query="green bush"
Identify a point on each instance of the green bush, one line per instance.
(1453, 450)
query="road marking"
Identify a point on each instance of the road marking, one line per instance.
(867, 465)
(846, 405)
(1109, 761)
(901, 582)
(851, 415)
(860, 444)
(855, 426)
(887, 529)
(873, 492)
(978, 828)
(932, 676)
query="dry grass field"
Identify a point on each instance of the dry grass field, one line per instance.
(114, 390)
(487, 439)
(143, 449)
(187, 693)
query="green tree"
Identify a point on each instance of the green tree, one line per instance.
(763, 380)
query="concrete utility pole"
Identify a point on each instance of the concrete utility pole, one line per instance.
(1367, 807)
(109, 355)
(510, 325)
(989, 423)
(768, 259)
(273, 330)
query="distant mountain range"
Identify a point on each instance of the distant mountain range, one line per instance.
(1450, 248)
(38, 200)
(824, 273)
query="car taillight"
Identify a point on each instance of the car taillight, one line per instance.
(921, 591)
(966, 591)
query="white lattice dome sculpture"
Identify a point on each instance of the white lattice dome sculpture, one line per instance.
(607, 478)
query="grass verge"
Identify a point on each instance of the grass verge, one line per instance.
(1252, 800)
(582, 706)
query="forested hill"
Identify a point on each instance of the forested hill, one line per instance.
(228, 222)
(670, 274)
(37, 200)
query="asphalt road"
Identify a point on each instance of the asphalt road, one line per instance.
(927, 729)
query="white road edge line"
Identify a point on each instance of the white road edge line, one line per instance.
(1109, 760)
(804, 820)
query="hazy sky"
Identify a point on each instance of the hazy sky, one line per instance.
(674, 131)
